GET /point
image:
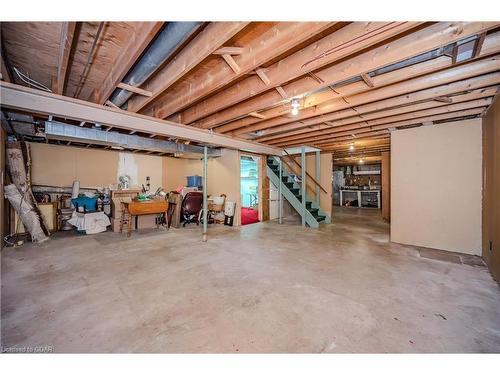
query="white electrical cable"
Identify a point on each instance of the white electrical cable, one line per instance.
(31, 82)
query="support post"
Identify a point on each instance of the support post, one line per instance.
(280, 204)
(205, 187)
(303, 184)
(318, 175)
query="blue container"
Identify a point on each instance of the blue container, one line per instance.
(194, 181)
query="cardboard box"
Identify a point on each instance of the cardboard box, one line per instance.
(143, 222)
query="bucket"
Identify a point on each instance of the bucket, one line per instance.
(194, 181)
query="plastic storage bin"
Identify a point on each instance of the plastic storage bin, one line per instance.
(194, 181)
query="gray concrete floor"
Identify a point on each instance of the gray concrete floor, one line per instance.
(261, 288)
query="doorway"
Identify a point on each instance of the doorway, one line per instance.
(249, 189)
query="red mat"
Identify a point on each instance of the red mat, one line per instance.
(249, 216)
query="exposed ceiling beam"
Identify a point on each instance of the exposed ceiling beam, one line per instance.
(322, 112)
(4, 70)
(310, 103)
(40, 102)
(383, 128)
(137, 43)
(210, 38)
(371, 124)
(368, 80)
(261, 72)
(233, 65)
(134, 89)
(229, 51)
(427, 39)
(337, 45)
(65, 44)
(321, 129)
(270, 44)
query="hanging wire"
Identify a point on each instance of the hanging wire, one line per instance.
(30, 82)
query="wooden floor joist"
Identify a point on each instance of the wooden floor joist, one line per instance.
(319, 129)
(321, 112)
(209, 39)
(272, 43)
(491, 46)
(340, 44)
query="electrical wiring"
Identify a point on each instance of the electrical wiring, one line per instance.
(30, 82)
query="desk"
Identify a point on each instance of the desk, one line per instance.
(135, 208)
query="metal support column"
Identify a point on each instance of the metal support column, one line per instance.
(280, 195)
(205, 188)
(303, 184)
(318, 175)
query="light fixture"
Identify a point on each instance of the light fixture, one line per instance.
(351, 147)
(361, 161)
(295, 107)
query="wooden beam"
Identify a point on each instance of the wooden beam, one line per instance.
(282, 92)
(137, 43)
(321, 112)
(263, 76)
(421, 41)
(257, 115)
(230, 61)
(371, 124)
(65, 45)
(443, 99)
(109, 103)
(348, 118)
(368, 80)
(479, 45)
(210, 38)
(268, 45)
(134, 89)
(36, 101)
(229, 51)
(4, 71)
(350, 39)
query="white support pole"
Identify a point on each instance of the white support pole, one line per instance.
(205, 188)
(280, 193)
(303, 185)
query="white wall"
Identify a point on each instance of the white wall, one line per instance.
(436, 186)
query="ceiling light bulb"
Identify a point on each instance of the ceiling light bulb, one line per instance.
(295, 103)
(295, 111)
(351, 147)
(361, 161)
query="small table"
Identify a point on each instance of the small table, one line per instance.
(137, 208)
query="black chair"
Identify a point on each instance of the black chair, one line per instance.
(191, 207)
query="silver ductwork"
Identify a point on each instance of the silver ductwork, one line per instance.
(65, 132)
(165, 44)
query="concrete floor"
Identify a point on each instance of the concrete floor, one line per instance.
(261, 288)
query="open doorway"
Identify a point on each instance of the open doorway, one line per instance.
(249, 189)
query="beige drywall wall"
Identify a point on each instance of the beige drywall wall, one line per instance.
(491, 189)
(61, 165)
(436, 174)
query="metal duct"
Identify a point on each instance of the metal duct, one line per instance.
(66, 132)
(174, 34)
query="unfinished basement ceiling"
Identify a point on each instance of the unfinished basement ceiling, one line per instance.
(352, 83)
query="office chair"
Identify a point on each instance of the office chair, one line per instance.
(191, 207)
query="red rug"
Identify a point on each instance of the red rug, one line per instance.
(249, 216)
